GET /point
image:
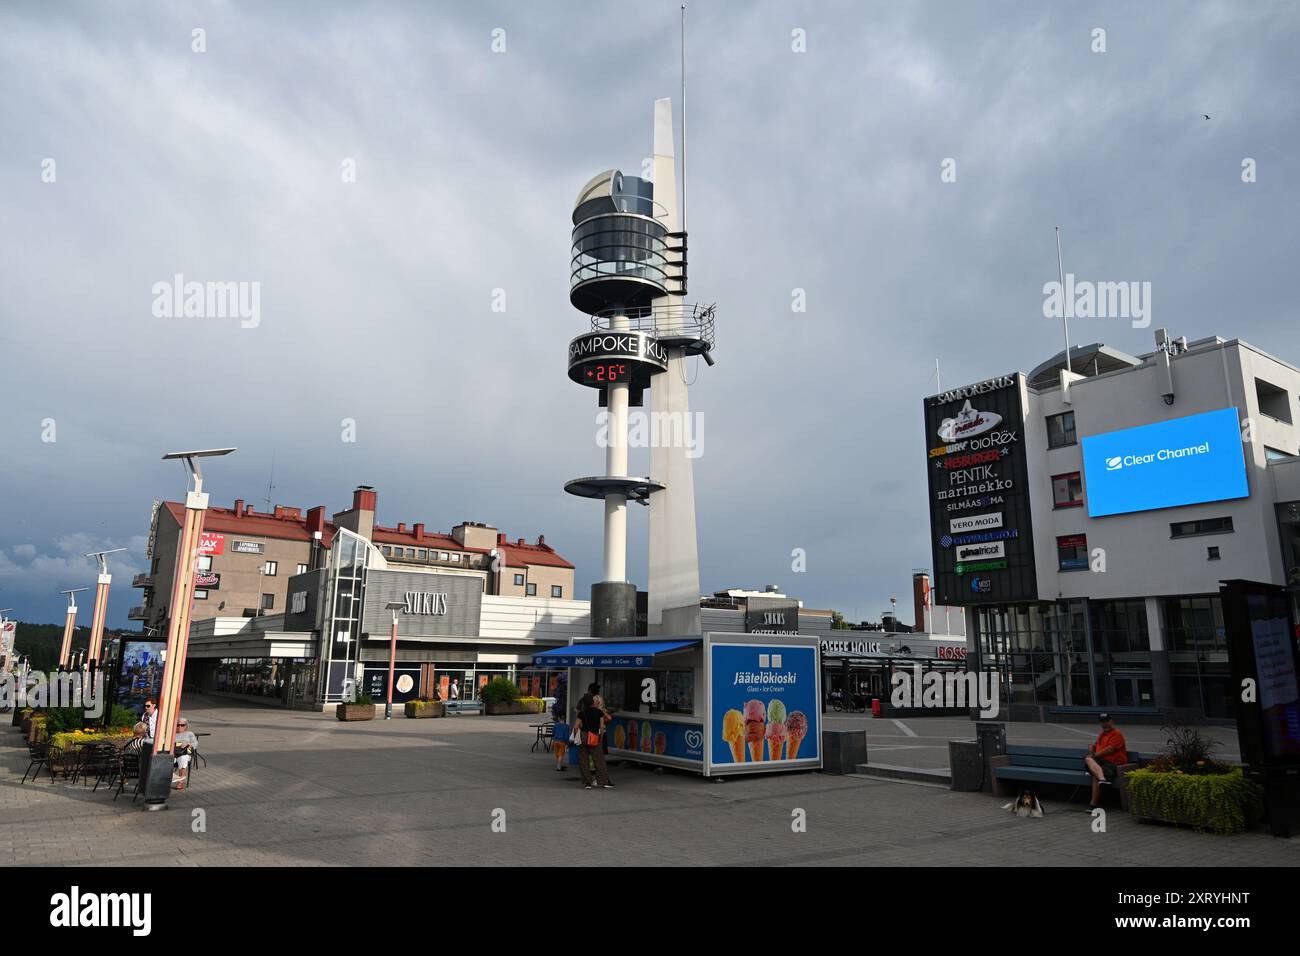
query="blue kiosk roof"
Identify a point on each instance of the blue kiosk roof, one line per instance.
(630, 654)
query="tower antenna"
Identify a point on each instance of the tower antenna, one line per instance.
(1065, 312)
(683, 227)
(270, 483)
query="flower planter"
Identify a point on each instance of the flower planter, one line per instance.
(1214, 802)
(425, 708)
(513, 707)
(355, 712)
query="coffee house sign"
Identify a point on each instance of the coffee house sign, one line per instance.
(425, 602)
(850, 647)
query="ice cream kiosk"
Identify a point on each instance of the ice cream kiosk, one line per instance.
(720, 704)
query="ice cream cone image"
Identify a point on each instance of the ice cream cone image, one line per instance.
(796, 728)
(776, 737)
(733, 732)
(661, 742)
(647, 738)
(631, 735)
(620, 737)
(755, 728)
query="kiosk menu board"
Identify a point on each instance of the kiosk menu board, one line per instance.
(980, 525)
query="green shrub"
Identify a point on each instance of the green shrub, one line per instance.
(59, 720)
(121, 716)
(499, 690)
(364, 699)
(1217, 802)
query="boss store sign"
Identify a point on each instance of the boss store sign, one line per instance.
(980, 521)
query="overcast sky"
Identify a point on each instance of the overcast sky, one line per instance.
(817, 170)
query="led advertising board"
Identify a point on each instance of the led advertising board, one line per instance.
(1184, 461)
(980, 528)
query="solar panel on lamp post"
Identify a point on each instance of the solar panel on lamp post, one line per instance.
(393, 606)
(156, 774)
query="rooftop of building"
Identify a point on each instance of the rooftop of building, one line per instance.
(294, 524)
(1098, 359)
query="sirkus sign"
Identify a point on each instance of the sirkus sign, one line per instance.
(980, 522)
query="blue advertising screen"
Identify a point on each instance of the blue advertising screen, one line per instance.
(1184, 461)
(764, 704)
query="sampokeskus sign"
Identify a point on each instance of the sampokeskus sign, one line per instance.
(980, 523)
(635, 357)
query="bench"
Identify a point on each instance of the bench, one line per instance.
(1059, 765)
(463, 706)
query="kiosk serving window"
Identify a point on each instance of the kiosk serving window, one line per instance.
(674, 691)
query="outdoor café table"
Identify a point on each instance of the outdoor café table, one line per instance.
(542, 735)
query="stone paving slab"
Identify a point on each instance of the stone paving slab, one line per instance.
(299, 789)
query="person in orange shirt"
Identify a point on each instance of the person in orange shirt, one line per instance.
(1105, 757)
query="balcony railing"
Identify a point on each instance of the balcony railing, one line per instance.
(142, 580)
(140, 613)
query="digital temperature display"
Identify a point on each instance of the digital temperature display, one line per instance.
(607, 372)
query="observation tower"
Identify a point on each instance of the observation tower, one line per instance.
(628, 274)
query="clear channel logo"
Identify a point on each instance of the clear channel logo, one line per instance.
(1116, 462)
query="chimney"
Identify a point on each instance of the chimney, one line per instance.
(401, 526)
(501, 540)
(920, 597)
(541, 540)
(248, 510)
(418, 530)
(522, 542)
(363, 499)
(316, 519)
(239, 506)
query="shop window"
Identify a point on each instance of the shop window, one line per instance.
(675, 691)
(1187, 529)
(200, 594)
(1067, 490)
(1072, 552)
(268, 602)
(271, 568)
(557, 591)
(1060, 430)
(531, 590)
(456, 558)
(443, 556)
(519, 580)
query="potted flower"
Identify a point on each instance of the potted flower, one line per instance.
(501, 696)
(1185, 785)
(424, 707)
(363, 708)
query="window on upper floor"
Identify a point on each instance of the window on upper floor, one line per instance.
(1273, 401)
(1067, 490)
(1060, 430)
(1188, 529)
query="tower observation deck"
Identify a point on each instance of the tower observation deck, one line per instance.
(628, 274)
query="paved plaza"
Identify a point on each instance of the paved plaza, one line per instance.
(288, 788)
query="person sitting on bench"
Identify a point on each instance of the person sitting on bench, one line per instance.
(1105, 757)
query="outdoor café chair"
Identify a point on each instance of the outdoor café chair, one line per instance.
(130, 770)
(39, 752)
(95, 761)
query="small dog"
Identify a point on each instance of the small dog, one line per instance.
(1026, 805)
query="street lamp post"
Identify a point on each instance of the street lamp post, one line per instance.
(65, 651)
(393, 606)
(101, 606)
(156, 769)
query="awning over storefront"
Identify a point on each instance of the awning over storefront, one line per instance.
(630, 654)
